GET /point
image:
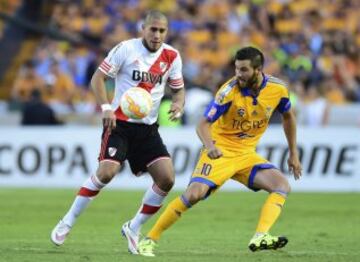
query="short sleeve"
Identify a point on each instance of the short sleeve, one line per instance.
(114, 60)
(224, 95)
(221, 104)
(284, 103)
(175, 79)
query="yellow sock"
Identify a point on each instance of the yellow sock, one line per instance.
(171, 214)
(270, 212)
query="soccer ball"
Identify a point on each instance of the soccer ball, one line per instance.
(136, 103)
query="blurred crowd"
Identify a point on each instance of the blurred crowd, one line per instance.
(313, 45)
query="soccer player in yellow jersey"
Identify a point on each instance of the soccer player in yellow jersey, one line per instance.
(230, 130)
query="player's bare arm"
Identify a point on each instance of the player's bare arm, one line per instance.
(178, 102)
(289, 125)
(203, 131)
(99, 89)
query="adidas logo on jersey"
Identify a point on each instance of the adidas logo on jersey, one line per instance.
(146, 77)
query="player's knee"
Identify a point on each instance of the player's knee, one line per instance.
(195, 193)
(283, 186)
(105, 177)
(194, 197)
(166, 183)
(106, 173)
(280, 184)
(288, 187)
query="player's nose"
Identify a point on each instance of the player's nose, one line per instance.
(157, 34)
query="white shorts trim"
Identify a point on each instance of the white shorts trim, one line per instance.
(110, 160)
(157, 159)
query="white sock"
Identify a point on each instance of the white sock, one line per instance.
(151, 203)
(87, 192)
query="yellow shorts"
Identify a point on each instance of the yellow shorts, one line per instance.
(241, 167)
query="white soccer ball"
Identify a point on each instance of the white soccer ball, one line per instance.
(136, 103)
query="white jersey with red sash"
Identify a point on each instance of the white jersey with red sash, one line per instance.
(131, 64)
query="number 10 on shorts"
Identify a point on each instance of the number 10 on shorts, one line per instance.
(206, 169)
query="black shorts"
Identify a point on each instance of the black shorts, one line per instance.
(140, 144)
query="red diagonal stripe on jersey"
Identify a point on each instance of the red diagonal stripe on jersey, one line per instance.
(167, 56)
(120, 115)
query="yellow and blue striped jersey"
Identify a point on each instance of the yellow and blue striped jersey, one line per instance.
(240, 119)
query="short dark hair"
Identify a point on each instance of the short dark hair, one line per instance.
(253, 54)
(154, 14)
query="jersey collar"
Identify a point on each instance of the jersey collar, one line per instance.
(246, 90)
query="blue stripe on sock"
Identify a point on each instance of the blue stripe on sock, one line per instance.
(185, 201)
(280, 192)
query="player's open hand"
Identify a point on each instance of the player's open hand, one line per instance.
(175, 112)
(214, 153)
(109, 119)
(295, 166)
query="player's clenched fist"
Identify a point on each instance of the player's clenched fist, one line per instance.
(214, 153)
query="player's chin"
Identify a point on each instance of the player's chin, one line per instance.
(241, 83)
(155, 46)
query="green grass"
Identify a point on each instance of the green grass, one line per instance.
(320, 227)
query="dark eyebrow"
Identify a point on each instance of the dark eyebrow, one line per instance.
(154, 29)
(241, 67)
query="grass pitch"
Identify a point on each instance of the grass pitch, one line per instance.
(320, 227)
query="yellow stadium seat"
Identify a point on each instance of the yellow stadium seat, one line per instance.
(333, 24)
(303, 6)
(288, 26)
(199, 36)
(227, 38)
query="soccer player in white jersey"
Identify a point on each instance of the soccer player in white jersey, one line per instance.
(149, 63)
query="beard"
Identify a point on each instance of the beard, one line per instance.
(251, 82)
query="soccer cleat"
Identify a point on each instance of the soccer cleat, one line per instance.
(267, 241)
(59, 233)
(131, 237)
(146, 247)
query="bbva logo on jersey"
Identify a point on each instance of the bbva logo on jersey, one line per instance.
(146, 77)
